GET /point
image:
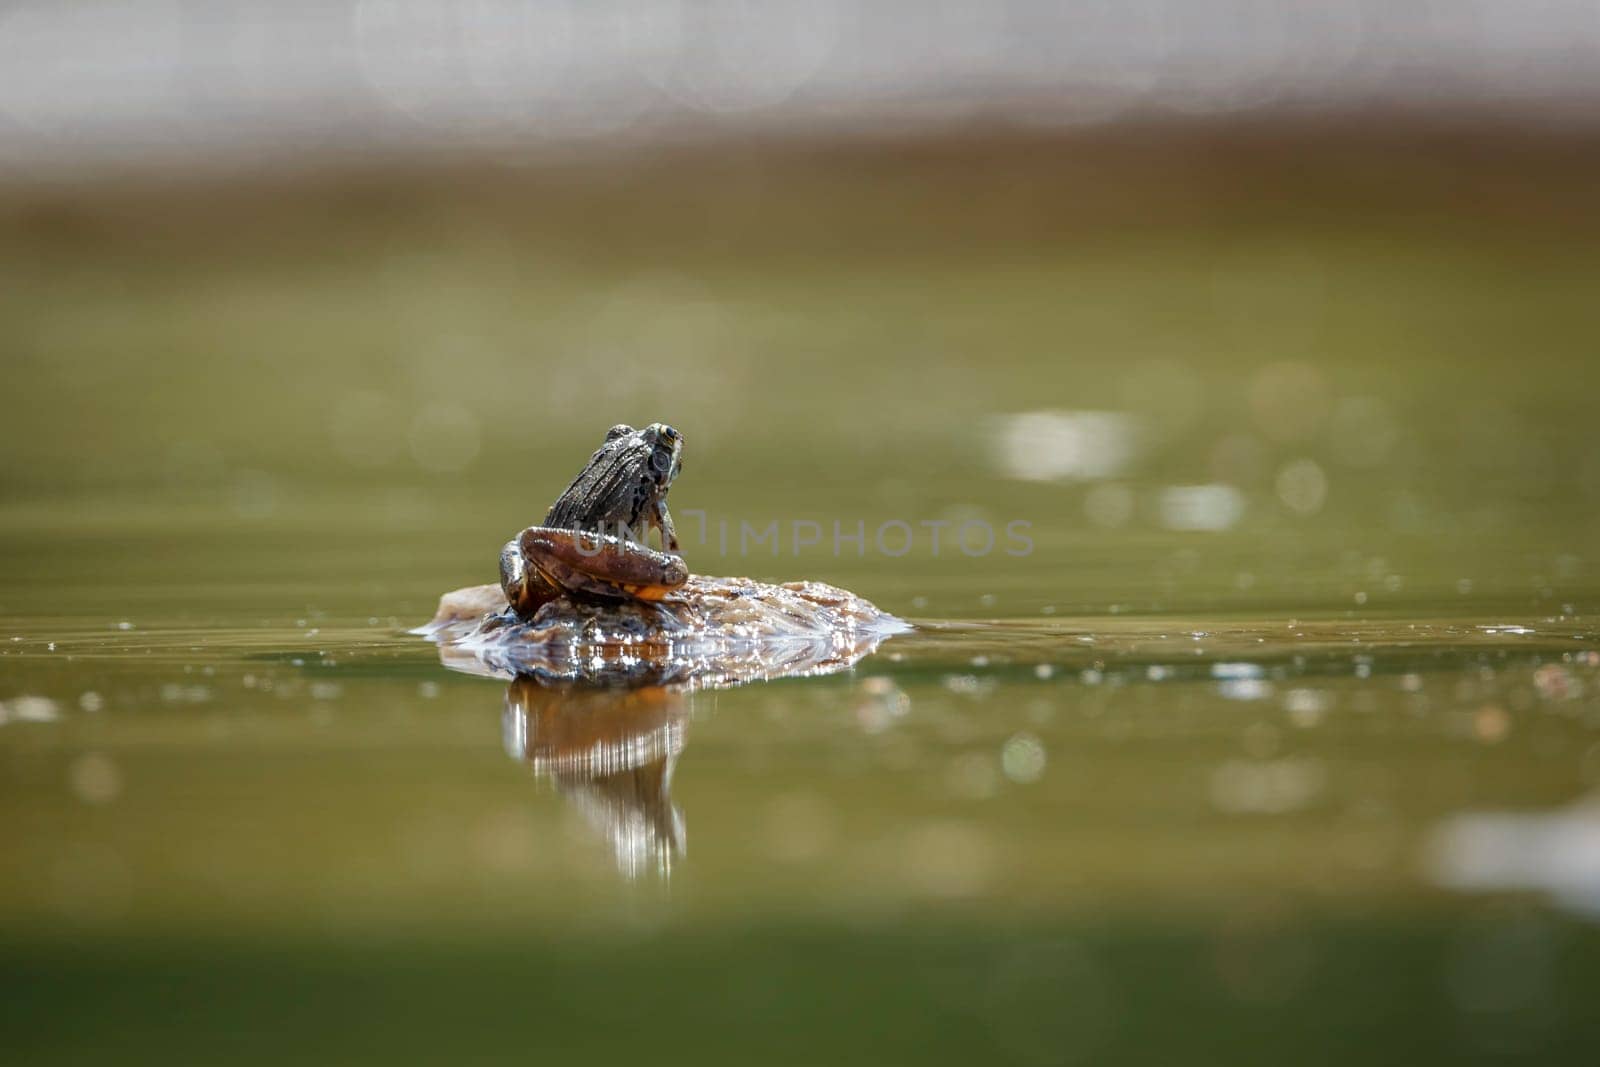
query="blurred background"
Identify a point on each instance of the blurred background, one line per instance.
(1274, 323)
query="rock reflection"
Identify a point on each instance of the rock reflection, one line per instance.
(603, 713)
(598, 700)
(610, 752)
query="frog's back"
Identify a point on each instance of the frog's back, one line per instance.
(603, 494)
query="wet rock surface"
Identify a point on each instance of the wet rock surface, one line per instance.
(711, 632)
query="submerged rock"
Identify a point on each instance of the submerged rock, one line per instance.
(710, 632)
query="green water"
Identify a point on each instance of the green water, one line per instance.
(1279, 740)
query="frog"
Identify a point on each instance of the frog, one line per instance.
(584, 600)
(592, 545)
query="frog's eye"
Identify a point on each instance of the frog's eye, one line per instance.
(661, 460)
(621, 429)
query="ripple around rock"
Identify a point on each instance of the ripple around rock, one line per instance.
(712, 632)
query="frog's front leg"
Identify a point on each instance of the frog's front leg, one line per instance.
(663, 522)
(600, 566)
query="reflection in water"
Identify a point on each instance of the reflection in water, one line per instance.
(598, 695)
(611, 753)
(1280, 722)
(606, 721)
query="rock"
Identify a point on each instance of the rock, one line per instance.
(712, 632)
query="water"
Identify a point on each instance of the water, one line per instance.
(1280, 739)
(1236, 820)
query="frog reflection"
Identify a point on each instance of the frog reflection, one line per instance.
(611, 754)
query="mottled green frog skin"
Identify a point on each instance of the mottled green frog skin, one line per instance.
(624, 484)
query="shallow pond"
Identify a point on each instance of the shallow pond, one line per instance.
(1252, 709)
(1242, 819)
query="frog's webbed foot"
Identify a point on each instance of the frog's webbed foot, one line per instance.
(599, 566)
(662, 520)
